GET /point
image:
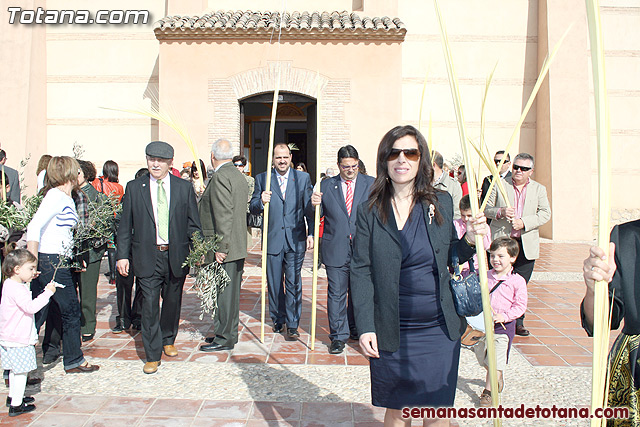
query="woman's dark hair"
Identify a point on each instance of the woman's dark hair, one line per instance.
(14, 259)
(382, 189)
(194, 168)
(88, 169)
(42, 163)
(302, 165)
(463, 172)
(110, 171)
(141, 172)
(361, 167)
(241, 159)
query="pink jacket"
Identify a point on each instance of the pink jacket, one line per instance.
(17, 310)
(510, 298)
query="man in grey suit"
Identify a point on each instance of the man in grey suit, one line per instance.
(290, 202)
(339, 198)
(223, 210)
(12, 175)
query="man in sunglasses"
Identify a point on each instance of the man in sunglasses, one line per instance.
(340, 197)
(442, 181)
(528, 212)
(505, 171)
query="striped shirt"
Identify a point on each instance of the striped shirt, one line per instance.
(53, 223)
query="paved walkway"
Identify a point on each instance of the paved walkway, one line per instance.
(286, 383)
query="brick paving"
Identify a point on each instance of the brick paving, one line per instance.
(556, 340)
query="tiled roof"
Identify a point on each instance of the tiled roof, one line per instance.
(295, 25)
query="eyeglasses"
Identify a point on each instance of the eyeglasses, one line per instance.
(238, 165)
(499, 160)
(521, 168)
(412, 154)
(349, 167)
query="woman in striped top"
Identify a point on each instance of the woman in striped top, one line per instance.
(50, 239)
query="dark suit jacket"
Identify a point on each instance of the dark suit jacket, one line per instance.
(624, 294)
(286, 216)
(486, 183)
(375, 272)
(137, 229)
(223, 211)
(338, 225)
(14, 181)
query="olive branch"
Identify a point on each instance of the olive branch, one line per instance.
(210, 279)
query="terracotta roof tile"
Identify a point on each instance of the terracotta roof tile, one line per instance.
(292, 25)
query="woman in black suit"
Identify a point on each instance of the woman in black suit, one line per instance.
(403, 304)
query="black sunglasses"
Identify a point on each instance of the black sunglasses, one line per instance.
(498, 161)
(521, 168)
(412, 154)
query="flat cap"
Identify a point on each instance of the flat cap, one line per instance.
(159, 149)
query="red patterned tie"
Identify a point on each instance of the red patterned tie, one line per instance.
(349, 196)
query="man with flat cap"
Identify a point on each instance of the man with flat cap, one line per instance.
(159, 216)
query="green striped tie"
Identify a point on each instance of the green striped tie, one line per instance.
(163, 212)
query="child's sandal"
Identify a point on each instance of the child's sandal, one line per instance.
(485, 398)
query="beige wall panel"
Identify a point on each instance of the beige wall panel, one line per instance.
(620, 29)
(156, 10)
(375, 99)
(495, 17)
(84, 100)
(622, 72)
(102, 57)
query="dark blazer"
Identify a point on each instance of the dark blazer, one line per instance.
(286, 216)
(14, 180)
(375, 271)
(486, 183)
(624, 294)
(137, 228)
(338, 225)
(223, 211)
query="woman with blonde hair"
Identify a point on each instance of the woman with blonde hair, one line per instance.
(50, 239)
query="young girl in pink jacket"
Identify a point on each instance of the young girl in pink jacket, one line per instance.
(17, 326)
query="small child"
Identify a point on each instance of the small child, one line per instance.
(461, 228)
(17, 326)
(508, 302)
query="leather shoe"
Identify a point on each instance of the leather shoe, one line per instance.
(209, 340)
(522, 331)
(354, 336)
(170, 350)
(337, 347)
(118, 329)
(88, 337)
(14, 411)
(277, 328)
(82, 369)
(151, 367)
(214, 346)
(25, 399)
(292, 334)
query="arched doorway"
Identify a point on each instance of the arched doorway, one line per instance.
(295, 125)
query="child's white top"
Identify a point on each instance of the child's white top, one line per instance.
(52, 224)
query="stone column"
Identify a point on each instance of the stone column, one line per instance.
(563, 142)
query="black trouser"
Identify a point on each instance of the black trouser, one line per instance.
(225, 323)
(523, 267)
(339, 306)
(159, 328)
(128, 312)
(62, 314)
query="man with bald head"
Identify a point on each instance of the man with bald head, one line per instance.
(223, 211)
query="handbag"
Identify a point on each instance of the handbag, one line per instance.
(475, 326)
(467, 297)
(254, 221)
